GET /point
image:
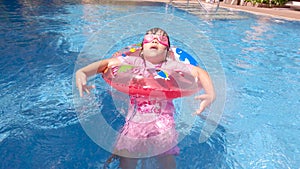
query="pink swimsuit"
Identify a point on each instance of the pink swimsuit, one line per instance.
(150, 127)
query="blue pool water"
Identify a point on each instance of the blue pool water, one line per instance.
(41, 42)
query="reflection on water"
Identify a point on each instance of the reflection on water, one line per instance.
(258, 31)
(40, 42)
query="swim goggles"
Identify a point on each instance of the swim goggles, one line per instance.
(161, 39)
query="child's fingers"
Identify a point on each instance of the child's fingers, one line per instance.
(80, 87)
(80, 90)
(81, 82)
(204, 102)
(88, 88)
(200, 110)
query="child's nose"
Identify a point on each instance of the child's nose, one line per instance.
(155, 40)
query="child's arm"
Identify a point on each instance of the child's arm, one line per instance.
(90, 70)
(209, 96)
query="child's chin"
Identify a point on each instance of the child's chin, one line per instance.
(154, 53)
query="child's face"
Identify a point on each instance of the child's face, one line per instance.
(155, 51)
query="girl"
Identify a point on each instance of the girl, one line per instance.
(150, 127)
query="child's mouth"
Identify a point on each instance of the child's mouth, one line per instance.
(154, 47)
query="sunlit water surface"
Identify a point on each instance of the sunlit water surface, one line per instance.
(39, 127)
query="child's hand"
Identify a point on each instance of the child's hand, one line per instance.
(206, 101)
(81, 83)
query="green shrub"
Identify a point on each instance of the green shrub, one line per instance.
(273, 2)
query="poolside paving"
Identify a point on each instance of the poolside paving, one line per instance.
(209, 13)
(284, 13)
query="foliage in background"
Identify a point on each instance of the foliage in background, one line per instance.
(267, 2)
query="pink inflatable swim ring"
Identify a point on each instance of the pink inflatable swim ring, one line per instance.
(152, 82)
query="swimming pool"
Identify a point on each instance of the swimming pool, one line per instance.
(40, 44)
